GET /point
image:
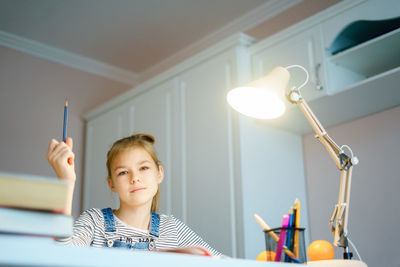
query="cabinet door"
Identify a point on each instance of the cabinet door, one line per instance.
(271, 158)
(152, 112)
(101, 133)
(207, 189)
(302, 49)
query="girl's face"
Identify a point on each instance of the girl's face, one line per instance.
(135, 177)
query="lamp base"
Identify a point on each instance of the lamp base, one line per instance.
(338, 263)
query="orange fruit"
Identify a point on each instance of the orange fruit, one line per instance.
(320, 250)
(266, 256)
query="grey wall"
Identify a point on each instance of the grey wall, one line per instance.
(374, 212)
(32, 96)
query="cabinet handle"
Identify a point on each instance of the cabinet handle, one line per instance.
(318, 80)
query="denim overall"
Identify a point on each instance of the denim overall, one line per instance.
(148, 244)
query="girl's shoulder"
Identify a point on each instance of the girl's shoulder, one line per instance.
(92, 214)
(170, 220)
(165, 217)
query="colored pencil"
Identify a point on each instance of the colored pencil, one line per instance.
(282, 237)
(289, 237)
(266, 227)
(297, 225)
(65, 121)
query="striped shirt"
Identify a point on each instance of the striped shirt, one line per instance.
(89, 230)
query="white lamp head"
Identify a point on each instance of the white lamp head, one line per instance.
(263, 98)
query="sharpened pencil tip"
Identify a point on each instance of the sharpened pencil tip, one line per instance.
(66, 102)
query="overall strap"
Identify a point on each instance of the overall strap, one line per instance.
(155, 224)
(109, 223)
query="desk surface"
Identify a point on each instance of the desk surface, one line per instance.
(35, 251)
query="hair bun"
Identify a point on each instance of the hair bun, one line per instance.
(146, 137)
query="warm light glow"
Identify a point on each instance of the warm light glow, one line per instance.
(256, 102)
(263, 98)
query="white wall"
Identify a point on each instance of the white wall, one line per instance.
(32, 96)
(374, 212)
(272, 178)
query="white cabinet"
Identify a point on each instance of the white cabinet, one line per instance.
(355, 83)
(186, 110)
(361, 10)
(374, 59)
(271, 159)
(363, 79)
(206, 151)
(304, 48)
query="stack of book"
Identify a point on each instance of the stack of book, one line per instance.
(34, 206)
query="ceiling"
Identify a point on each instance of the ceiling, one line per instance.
(127, 35)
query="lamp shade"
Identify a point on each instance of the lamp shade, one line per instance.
(262, 98)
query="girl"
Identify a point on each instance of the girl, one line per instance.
(134, 173)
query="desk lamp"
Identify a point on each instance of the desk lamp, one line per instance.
(263, 99)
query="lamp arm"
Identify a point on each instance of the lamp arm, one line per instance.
(339, 218)
(332, 148)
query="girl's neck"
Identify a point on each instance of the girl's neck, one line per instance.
(137, 217)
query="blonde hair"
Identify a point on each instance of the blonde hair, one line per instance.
(145, 141)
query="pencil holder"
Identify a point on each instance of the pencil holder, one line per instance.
(285, 245)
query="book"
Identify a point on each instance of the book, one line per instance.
(33, 192)
(31, 222)
(192, 250)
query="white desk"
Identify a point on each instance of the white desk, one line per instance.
(30, 251)
(36, 251)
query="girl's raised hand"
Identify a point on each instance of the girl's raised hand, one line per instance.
(61, 158)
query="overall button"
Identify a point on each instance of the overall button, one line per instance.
(110, 243)
(152, 245)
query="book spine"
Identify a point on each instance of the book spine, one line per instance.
(28, 222)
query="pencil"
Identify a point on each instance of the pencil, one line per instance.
(266, 227)
(297, 225)
(289, 238)
(65, 121)
(282, 237)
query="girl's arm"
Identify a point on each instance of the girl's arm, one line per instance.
(83, 232)
(61, 158)
(187, 237)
